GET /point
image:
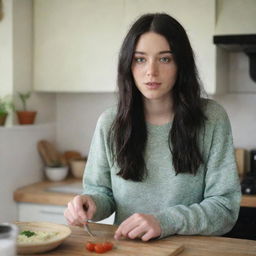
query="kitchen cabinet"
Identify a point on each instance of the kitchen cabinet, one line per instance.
(48, 213)
(38, 212)
(76, 43)
(235, 17)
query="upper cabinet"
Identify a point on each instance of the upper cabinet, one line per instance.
(76, 44)
(235, 17)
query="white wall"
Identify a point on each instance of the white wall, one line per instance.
(20, 163)
(77, 115)
(241, 109)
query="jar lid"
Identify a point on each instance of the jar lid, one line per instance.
(8, 230)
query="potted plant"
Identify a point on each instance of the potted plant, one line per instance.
(25, 116)
(5, 106)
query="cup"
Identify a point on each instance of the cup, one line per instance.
(8, 238)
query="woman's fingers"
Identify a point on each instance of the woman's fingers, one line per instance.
(126, 227)
(89, 207)
(80, 209)
(142, 226)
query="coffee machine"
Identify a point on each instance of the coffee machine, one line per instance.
(248, 184)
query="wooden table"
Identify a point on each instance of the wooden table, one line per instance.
(192, 245)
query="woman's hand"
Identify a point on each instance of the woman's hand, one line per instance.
(80, 209)
(138, 225)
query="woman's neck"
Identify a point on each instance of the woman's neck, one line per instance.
(158, 111)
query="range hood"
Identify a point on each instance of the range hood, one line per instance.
(245, 43)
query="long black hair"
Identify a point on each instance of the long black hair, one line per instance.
(128, 132)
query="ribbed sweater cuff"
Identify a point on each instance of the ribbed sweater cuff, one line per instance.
(167, 224)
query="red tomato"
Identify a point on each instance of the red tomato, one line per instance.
(90, 246)
(107, 246)
(99, 248)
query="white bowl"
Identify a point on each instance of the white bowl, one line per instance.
(56, 173)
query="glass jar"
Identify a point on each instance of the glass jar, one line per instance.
(8, 237)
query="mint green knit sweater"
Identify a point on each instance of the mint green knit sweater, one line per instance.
(205, 204)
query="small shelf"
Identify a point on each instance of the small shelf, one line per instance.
(16, 127)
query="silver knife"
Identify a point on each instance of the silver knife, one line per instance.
(87, 229)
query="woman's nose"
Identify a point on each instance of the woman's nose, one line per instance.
(152, 68)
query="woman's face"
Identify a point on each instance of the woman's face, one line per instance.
(153, 67)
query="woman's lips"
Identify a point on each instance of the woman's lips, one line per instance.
(153, 85)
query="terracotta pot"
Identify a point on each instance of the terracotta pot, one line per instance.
(2, 119)
(26, 117)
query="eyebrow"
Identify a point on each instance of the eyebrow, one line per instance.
(143, 53)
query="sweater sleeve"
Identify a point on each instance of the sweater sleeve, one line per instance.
(217, 213)
(96, 179)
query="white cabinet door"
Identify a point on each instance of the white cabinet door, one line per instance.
(48, 213)
(39, 212)
(236, 17)
(76, 44)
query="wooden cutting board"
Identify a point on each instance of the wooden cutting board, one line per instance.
(75, 244)
(127, 247)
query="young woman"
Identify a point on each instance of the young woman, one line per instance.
(163, 159)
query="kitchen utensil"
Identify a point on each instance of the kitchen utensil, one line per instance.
(240, 160)
(87, 229)
(77, 167)
(253, 162)
(49, 153)
(70, 155)
(31, 248)
(248, 184)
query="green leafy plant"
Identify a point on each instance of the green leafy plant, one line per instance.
(56, 163)
(24, 97)
(6, 105)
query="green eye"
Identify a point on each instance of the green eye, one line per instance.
(165, 59)
(139, 60)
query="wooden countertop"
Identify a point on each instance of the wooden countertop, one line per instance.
(37, 193)
(185, 245)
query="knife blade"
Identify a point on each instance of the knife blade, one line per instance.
(87, 229)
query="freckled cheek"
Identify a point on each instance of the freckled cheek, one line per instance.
(138, 72)
(170, 73)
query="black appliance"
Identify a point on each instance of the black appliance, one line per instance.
(248, 184)
(246, 224)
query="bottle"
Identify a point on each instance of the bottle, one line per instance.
(8, 237)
